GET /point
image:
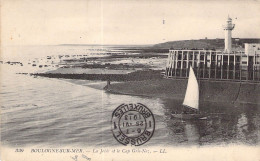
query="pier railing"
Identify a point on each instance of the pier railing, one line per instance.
(219, 74)
(215, 65)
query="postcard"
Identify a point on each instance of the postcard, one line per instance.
(110, 80)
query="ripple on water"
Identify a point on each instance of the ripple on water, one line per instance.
(56, 112)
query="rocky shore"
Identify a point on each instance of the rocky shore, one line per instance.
(109, 76)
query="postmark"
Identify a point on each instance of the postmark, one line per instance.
(133, 124)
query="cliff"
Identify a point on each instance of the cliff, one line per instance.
(205, 43)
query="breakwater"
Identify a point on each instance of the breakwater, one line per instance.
(134, 76)
(210, 91)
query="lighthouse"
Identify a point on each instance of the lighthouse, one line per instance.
(228, 27)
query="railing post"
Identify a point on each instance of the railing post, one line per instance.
(181, 63)
(173, 62)
(168, 64)
(228, 66)
(254, 66)
(198, 70)
(234, 65)
(216, 63)
(210, 54)
(193, 59)
(222, 65)
(240, 66)
(205, 55)
(187, 63)
(176, 60)
(247, 67)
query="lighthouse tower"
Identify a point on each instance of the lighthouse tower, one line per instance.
(228, 27)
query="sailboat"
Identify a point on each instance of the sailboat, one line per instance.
(190, 104)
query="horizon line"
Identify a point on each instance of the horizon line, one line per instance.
(70, 44)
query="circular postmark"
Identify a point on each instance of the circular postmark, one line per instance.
(132, 124)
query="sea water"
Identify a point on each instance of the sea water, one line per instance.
(55, 112)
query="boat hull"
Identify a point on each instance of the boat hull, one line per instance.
(188, 116)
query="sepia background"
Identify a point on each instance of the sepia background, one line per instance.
(44, 112)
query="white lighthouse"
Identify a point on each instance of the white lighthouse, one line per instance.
(228, 27)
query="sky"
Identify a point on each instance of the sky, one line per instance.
(51, 22)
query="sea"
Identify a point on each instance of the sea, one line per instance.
(40, 111)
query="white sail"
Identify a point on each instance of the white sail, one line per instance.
(192, 93)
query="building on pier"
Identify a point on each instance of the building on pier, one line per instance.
(217, 65)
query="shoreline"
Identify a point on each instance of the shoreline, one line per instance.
(99, 85)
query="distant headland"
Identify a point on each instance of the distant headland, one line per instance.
(198, 43)
(206, 43)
